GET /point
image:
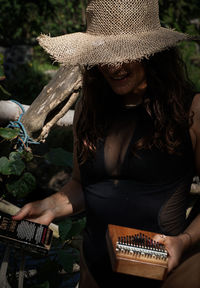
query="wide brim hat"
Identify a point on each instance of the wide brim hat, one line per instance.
(118, 31)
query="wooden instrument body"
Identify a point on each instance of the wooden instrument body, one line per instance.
(136, 264)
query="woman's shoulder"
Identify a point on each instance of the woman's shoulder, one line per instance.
(195, 109)
(195, 116)
(196, 101)
(195, 129)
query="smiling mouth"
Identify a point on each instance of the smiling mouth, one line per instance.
(120, 77)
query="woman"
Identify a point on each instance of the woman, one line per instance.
(136, 139)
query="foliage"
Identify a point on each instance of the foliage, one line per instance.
(9, 134)
(25, 20)
(1, 66)
(60, 157)
(69, 228)
(27, 82)
(191, 58)
(178, 14)
(4, 94)
(43, 285)
(15, 179)
(18, 183)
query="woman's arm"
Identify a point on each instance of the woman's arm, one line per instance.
(178, 244)
(67, 201)
(195, 130)
(193, 231)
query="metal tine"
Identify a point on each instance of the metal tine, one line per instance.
(137, 239)
(140, 240)
(146, 241)
(149, 242)
(133, 240)
(124, 240)
(154, 245)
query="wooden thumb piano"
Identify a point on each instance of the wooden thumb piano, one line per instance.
(135, 252)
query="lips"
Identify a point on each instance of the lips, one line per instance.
(120, 77)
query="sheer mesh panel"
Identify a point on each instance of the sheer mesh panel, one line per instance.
(173, 213)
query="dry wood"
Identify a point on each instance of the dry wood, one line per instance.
(52, 122)
(53, 102)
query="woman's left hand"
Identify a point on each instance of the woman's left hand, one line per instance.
(175, 246)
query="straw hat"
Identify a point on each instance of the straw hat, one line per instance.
(117, 31)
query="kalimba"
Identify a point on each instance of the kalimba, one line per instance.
(135, 252)
(24, 234)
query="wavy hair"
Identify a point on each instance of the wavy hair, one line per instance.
(169, 97)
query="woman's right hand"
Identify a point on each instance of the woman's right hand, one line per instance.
(44, 211)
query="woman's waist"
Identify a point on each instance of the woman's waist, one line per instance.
(122, 187)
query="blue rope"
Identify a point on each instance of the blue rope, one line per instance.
(23, 138)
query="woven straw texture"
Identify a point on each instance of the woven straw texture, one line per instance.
(117, 31)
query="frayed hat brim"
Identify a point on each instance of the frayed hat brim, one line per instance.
(90, 50)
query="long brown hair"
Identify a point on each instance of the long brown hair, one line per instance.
(168, 100)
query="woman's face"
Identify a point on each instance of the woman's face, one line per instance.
(129, 79)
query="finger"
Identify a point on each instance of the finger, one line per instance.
(161, 238)
(22, 213)
(44, 219)
(172, 264)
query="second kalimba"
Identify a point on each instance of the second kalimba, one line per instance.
(135, 252)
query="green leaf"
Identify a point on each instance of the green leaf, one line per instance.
(28, 156)
(66, 258)
(64, 227)
(60, 157)
(23, 186)
(15, 156)
(43, 285)
(11, 166)
(4, 94)
(77, 227)
(9, 133)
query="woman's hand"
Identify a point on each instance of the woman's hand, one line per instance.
(44, 211)
(175, 246)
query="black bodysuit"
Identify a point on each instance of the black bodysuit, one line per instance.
(148, 191)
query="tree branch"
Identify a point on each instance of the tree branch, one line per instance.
(53, 102)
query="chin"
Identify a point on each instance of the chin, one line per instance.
(121, 92)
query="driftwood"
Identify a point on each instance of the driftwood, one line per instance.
(53, 102)
(10, 111)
